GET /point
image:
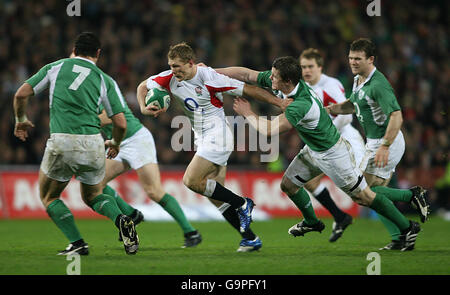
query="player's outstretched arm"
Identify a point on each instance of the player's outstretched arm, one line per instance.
(20, 105)
(262, 95)
(239, 73)
(266, 127)
(345, 107)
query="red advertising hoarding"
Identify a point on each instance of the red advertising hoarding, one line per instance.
(19, 194)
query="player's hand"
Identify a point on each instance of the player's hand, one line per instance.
(113, 149)
(285, 103)
(242, 106)
(152, 110)
(382, 156)
(21, 129)
(328, 109)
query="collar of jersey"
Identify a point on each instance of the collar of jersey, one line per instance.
(355, 80)
(85, 59)
(292, 93)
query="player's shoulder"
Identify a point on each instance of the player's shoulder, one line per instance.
(329, 81)
(379, 81)
(208, 73)
(162, 79)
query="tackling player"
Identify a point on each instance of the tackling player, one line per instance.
(325, 151)
(330, 91)
(200, 91)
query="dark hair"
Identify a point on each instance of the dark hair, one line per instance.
(182, 51)
(364, 44)
(312, 53)
(87, 44)
(289, 69)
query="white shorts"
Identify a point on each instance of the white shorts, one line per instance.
(215, 145)
(338, 163)
(396, 151)
(352, 135)
(75, 154)
(138, 150)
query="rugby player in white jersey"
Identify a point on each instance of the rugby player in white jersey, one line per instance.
(200, 92)
(330, 91)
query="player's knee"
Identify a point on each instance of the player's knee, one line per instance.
(193, 184)
(287, 186)
(154, 193)
(47, 200)
(311, 186)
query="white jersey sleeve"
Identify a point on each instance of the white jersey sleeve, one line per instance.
(218, 83)
(162, 79)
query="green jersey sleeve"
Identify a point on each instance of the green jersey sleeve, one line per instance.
(264, 79)
(111, 97)
(41, 79)
(385, 97)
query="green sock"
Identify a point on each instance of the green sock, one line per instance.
(383, 206)
(391, 227)
(302, 200)
(170, 204)
(123, 206)
(64, 220)
(106, 206)
(400, 195)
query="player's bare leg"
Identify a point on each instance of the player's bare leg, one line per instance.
(196, 179)
(150, 178)
(250, 242)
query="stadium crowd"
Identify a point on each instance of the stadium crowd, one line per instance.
(412, 43)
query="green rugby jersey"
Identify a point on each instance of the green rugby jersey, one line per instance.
(133, 123)
(308, 116)
(77, 87)
(374, 101)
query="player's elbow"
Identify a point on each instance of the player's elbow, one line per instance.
(119, 121)
(398, 117)
(23, 92)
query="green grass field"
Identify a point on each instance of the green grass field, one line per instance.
(28, 247)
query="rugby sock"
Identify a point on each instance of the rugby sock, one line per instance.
(324, 198)
(64, 220)
(232, 217)
(391, 227)
(123, 206)
(106, 205)
(223, 194)
(303, 202)
(400, 195)
(382, 205)
(170, 204)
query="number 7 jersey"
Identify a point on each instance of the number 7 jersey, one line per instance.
(77, 87)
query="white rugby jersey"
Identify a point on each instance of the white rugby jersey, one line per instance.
(330, 90)
(201, 96)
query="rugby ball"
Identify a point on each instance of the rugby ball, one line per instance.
(159, 97)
